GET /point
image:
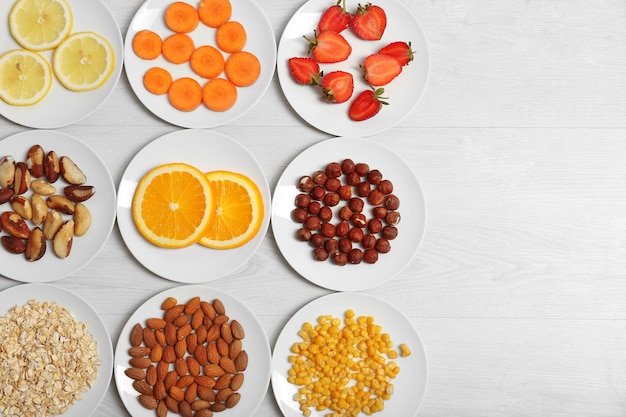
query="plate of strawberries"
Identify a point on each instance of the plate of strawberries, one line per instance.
(350, 68)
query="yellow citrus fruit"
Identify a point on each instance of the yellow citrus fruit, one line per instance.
(40, 25)
(83, 61)
(173, 205)
(25, 77)
(239, 210)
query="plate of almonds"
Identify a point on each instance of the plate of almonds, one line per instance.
(192, 350)
(57, 205)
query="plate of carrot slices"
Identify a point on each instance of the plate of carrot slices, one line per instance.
(201, 63)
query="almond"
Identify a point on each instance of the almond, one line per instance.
(174, 312)
(34, 161)
(205, 381)
(213, 355)
(222, 346)
(180, 348)
(168, 303)
(241, 361)
(52, 167)
(176, 393)
(193, 366)
(226, 333)
(233, 400)
(221, 319)
(180, 366)
(201, 334)
(6, 194)
(155, 323)
(60, 204)
(192, 343)
(151, 375)
(13, 244)
(21, 205)
(223, 394)
(191, 393)
(149, 339)
(7, 171)
(185, 381)
(206, 412)
(197, 319)
(82, 219)
(62, 241)
(181, 321)
(148, 401)
(222, 382)
(142, 387)
(159, 390)
(234, 348)
(79, 193)
(213, 333)
(236, 381)
(71, 172)
(185, 409)
(142, 363)
(237, 330)
(228, 365)
(156, 353)
(161, 410)
(170, 380)
(36, 245)
(183, 331)
(200, 405)
(21, 182)
(169, 356)
(170, 333)
(52, 224)
(160, 337)
(208, 310)
(217, 407)
(136, 335)
(213, 370)
(40, 209)
(172, 405)
(201, 355)
(192, 305)
(219, 306)
(206, 393)
(162, 370)
(139, 351)
(135, 373)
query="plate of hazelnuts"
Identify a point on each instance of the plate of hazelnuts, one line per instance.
(348, 214)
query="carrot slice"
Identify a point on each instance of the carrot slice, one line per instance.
(231, 36)
(185, 94)
(215, 13)
(177, 48)
(147, 44)
(181, 17)
(242, 68)
(219, 94)
(207, 61)
(157, 80)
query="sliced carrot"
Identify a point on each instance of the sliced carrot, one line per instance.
(181, 17)
(207, 61)
(147, 44)
(242, 68)
(185, 94)
(219, 94)
(215, 13)
(157, 80)
(177, 48)
(231, 36)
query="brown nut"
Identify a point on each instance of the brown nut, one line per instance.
(14, 225)
(21, 205)
(61, 204)
(36, 245)
(52, 224)
(5, 194)
(52, 167)
(62, 242)
(42, 187)
(21, 182)
(13, 244)
(71, 172)
(79, 193)
(82, 219)
(7, 171)
(34, 161)
(40, 209)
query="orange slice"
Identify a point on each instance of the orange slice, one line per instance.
(173, 205)
(239, 210)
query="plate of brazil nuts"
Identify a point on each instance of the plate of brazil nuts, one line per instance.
(75, 384)
(192, 348)
(80, 202)
(348, 214)
(373, 336)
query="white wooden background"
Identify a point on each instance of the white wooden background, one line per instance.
(520, 145)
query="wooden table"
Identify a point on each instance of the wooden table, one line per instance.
(519, 144)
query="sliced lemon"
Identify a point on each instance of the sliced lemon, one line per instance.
(25, 77)
(40, 25)
(83, 61)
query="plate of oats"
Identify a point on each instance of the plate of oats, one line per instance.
(62, 361)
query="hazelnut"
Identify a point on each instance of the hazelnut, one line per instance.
(385, 187)
(345, 213)
(320, 177)
(325, 214)
(370, 256)
(317, 240)
(374, 225)
(318, 192)
(331, 199)
(340, 258)
(353, 178)
(305, 184)
(356, 204)
(382, 245)
(363, 189)
(374, 177)
(312, 223)
(390, 232)
(356, 235)
(314, 207)
(345, 245)
(331, 245)
(320, 254)
(392, 217)
(327, 229)
(362, 169)
(303, 234)
(376, 198)
(359, 220)
(347, 166)
(302, 200)
(368, 241)
(355, 256)
(392, 202)
(379, 212)
(345, 192)
(299, 215)
(342, 229)
(332, 184)
(333, 170)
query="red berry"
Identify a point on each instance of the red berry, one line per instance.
(335, 18)
(337, 86)
(329, 47)
(380, 69)
(369, 22)
(304, 70)
(367, 104)
(400, 50)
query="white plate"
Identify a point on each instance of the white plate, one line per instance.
(410, 229)
(409, 385)
(208, 151)
(255, 343)
(101, 205)
(261, 42)
(62, 107)
(403, 93)
(82, 311)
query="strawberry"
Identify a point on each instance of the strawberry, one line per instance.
(305, 70)
(329, 47)
(400, 50)
(337, 86)
(367, 104)
(369, 22)
(335, 18)
(380, 69)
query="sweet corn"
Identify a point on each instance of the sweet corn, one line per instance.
(343, 369)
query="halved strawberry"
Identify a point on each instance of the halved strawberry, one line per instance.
(329, 47)
(369, 22)
(337, 86)
(335, 19)
(367, 104)
(305, 70)
(400, 50)
(380, 69)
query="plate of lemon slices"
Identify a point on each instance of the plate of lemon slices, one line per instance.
(59, 60)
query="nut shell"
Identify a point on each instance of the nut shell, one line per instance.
(7, 171)
(71, 172)
(62, 242)
(34, 161)
(36, 245)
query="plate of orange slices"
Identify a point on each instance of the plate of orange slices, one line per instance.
(195, 198)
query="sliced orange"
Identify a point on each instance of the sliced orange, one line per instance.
(239, 210)
(173, 205)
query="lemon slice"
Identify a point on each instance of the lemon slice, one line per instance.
(40, 25)
(83, 61)
(25, 77)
